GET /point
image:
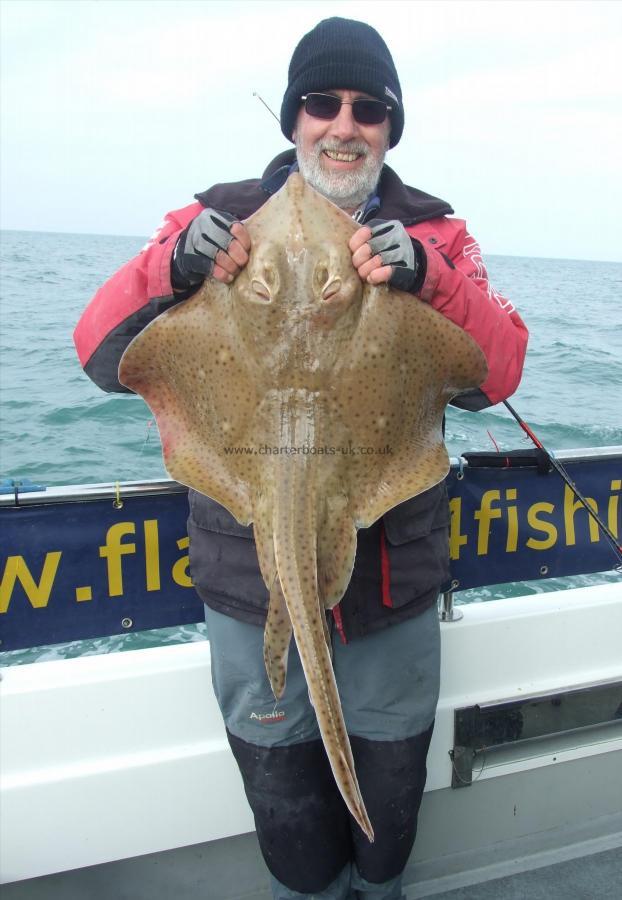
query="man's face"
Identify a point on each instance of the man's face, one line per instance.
(339, 157)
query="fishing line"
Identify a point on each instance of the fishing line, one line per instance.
(137, 467)
(135, 471)
(495, 444)
(147, 434)
(559, 468)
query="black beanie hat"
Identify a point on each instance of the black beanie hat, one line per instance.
(343, 54)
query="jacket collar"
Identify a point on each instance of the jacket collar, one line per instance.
(394, 200)
(397, 200)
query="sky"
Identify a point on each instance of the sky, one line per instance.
(114, 111)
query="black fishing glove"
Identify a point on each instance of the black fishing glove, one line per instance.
(198, 244)
(397, 248)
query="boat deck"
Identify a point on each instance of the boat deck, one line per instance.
(209, 871)
(595, 877)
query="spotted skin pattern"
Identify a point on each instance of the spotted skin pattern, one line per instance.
(298, 353)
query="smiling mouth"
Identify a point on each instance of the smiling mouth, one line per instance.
(341, 156)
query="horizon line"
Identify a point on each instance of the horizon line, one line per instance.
(146, 238)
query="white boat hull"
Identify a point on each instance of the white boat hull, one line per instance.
(118, 756)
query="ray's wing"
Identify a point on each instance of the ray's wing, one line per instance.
(405, 364)
(187, 366)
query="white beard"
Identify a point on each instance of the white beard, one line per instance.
(345, 189)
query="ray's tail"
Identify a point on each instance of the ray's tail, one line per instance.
(295, 545)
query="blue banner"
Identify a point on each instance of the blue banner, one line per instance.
(521, 524)
(88, 568)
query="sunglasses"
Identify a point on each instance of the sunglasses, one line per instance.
(327, 106)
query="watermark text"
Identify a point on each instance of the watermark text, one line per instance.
(348, 449)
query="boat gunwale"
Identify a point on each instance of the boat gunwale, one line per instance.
(154, 487)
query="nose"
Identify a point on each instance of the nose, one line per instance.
(344, 127)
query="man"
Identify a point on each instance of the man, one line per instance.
(343, 110)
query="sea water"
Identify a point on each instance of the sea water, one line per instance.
(58, 428)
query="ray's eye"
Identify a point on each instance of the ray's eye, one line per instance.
(321, 275)
(265, 285)
(327, 285)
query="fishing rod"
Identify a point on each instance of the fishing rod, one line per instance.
(255, 94)
(559, 468)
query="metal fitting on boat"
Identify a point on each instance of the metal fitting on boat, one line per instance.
(447, 610)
